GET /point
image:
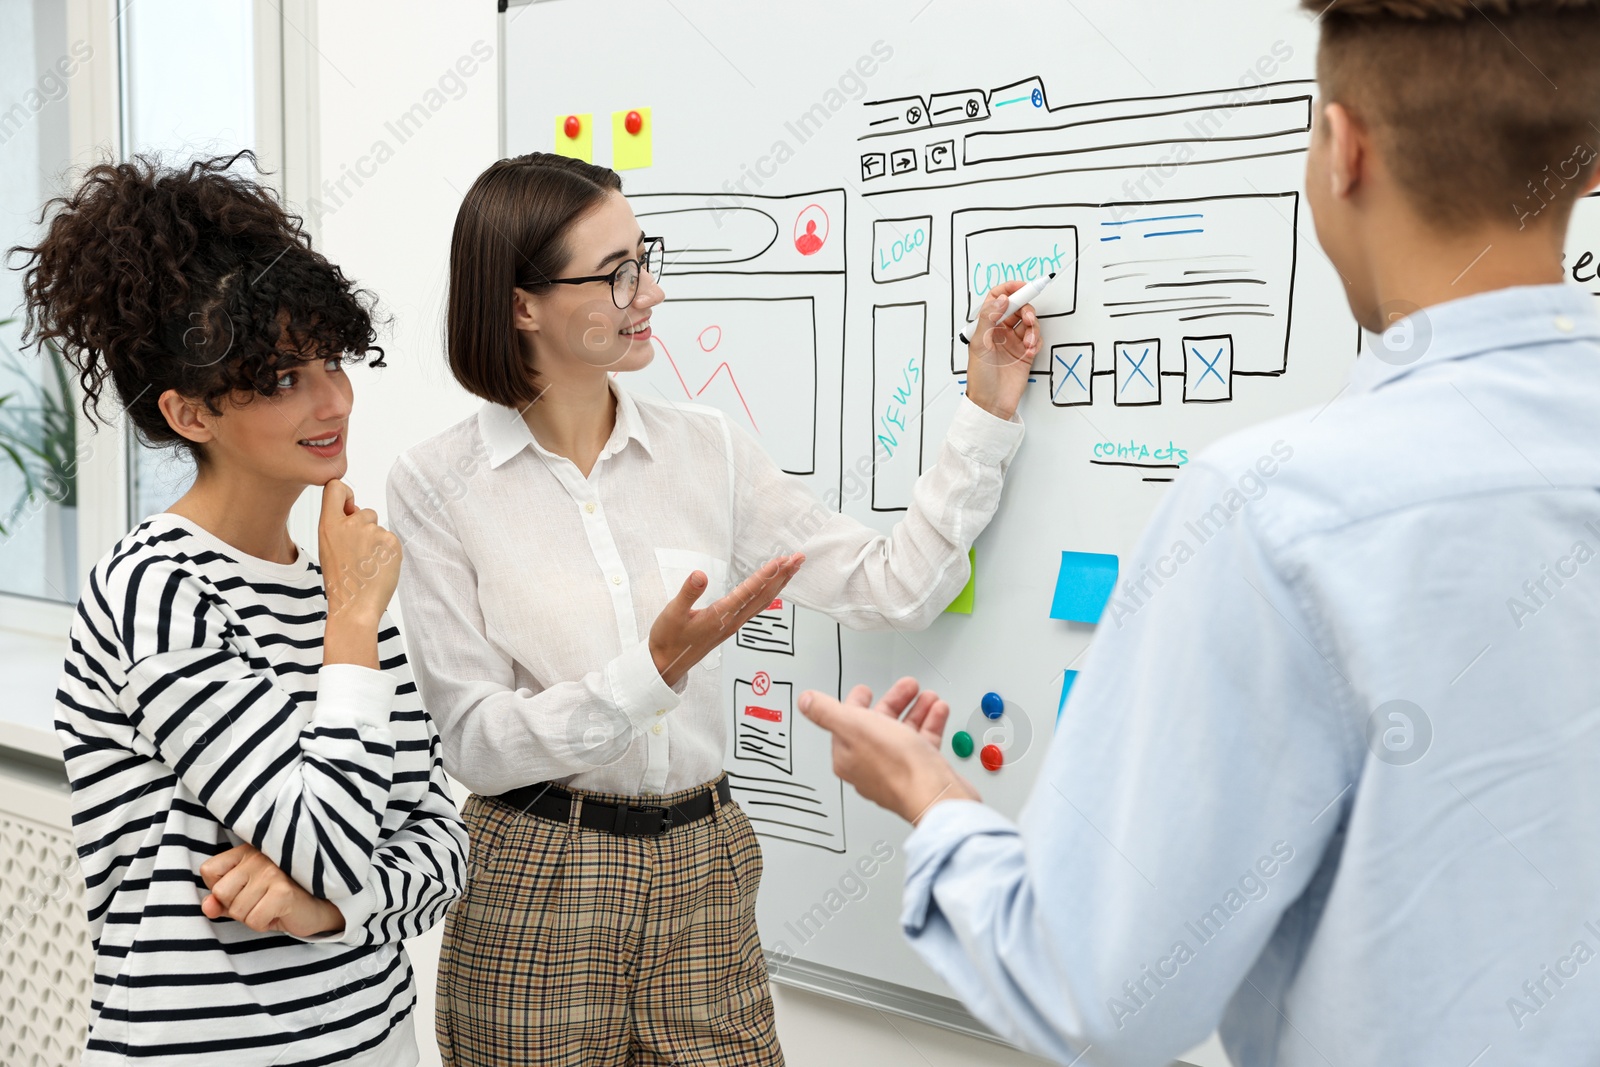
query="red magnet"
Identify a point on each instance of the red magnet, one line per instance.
(992, 757)
(634, 122)
(572, 127)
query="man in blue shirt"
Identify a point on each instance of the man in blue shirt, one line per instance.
(1328, 780)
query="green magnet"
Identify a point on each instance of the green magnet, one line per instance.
(962, 743)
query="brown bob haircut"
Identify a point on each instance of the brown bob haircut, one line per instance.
(1485, 110)
(511, 233)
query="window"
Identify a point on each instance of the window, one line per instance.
(188, 89)
(82, 81)
(38, 425)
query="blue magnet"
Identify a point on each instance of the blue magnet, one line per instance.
(993, 706)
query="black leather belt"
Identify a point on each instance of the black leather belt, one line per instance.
(554, 803)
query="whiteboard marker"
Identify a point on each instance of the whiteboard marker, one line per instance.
(1021, 296)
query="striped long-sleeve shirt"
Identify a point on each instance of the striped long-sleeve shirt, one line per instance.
(196, 715)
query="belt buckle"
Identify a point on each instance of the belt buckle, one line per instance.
(625, 810)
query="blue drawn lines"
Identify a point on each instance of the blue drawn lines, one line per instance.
(1154, 219)
(1136, 369)
(1035, 97)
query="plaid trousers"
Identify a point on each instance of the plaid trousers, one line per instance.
(574, 947)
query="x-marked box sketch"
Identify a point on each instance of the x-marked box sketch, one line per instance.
(1138, 374)
(1207, 369)
(1072, 375)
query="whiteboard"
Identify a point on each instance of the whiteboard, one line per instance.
(832, 182)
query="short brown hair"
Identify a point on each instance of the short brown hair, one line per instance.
(510, 233)
(1483, 109)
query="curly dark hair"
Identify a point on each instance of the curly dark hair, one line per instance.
(193, 278)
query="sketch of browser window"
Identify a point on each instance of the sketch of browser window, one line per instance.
(756, 310)
(1158, 298)
(754, 327)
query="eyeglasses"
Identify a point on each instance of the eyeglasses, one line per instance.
(625, 279)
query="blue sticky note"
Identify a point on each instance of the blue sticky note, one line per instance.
(1068, 677)
(1083, 586)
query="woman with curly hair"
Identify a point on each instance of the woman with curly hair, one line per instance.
(259, 805)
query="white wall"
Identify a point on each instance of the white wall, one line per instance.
(391, 232)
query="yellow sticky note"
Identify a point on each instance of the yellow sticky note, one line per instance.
(630, 151)
(962, 604)
(579, 147)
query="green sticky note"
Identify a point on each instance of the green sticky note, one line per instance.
(629, 151)
(962, 604)
(579, 147)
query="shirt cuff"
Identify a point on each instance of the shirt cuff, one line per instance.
(638, 688)
(982, 437)
(366, 694)
(356, 909)
(942, 831)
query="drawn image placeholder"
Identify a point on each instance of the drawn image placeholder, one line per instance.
(1138, 373)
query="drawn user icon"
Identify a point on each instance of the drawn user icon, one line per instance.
(808, 242)
(815, 234)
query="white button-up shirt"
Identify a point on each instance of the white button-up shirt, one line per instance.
(528, 590)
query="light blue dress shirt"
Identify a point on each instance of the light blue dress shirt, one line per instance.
(1330, 777)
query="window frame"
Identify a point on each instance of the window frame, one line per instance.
(286, 144)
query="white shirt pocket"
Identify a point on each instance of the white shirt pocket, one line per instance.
(677, 564)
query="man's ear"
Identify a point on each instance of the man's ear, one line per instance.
(1349, 151)
(524, 311)
(188, 418)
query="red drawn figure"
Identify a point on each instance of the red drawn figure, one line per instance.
(761, 684)
(810, 230)
(656, 340)
(710, 338)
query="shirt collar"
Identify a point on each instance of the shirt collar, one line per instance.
(506, 434)
(1484, 322)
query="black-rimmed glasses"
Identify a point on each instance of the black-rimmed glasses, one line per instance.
(625, 279)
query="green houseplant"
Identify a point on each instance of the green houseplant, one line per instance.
(39, 434)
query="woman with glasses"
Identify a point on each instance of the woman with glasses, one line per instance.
(572, 553)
